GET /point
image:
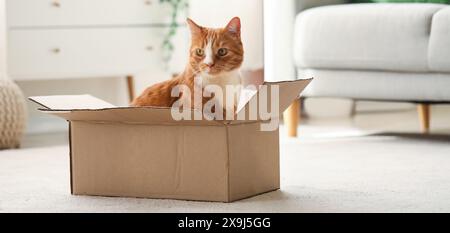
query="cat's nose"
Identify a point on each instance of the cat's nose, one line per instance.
(209, 64)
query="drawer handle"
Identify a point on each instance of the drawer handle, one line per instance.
(149, 48)
(56, 50)
(56, 4)
(148, 2)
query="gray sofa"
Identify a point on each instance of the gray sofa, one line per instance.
(385, 52)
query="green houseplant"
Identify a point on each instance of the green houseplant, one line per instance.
(177, 7)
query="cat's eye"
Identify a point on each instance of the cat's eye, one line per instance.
(222, 52)
(199, 52)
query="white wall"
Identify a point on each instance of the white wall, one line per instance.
(279, 17)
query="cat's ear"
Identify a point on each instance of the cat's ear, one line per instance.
(195, 29)
(234, 26)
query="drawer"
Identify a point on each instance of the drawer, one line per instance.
(78, 53)
(29, 13)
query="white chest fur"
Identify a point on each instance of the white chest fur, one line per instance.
(232, 78)
(229, 82)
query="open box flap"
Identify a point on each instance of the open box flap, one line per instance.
(71, 102)
(288, 92)
(89, 108)
(96, 110)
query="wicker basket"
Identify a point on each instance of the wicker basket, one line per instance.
(12, 115)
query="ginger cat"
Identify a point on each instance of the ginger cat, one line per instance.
(215, 57)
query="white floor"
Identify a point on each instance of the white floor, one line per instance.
(373, 162)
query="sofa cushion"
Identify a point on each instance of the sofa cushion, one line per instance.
(390, 37)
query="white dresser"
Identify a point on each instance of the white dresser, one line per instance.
(59, 39)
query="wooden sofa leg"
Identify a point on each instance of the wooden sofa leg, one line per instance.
(424, 116)
(130, 87)
(292, 118)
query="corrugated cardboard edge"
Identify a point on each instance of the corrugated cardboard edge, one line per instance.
(40, 104)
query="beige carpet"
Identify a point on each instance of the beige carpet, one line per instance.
(337, 171)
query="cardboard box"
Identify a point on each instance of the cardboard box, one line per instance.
(144, 152)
